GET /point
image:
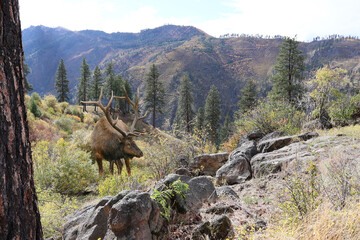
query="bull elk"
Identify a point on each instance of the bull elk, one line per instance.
(111, 139)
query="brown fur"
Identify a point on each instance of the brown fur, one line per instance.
(108, 144)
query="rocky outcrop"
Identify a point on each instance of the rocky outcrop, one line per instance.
(237, 169)
(208, 164)
(225, 191)
(128, 215)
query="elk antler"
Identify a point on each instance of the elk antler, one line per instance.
(106, 111)
(136, 107)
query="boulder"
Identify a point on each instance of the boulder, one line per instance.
(220, 209)
(217, 229)
(234, 171)
(201, 189)
(308, 135)
(255, 135)
(208, 164)
(247, 149)
(183, 171)
(225, 191)
(136, 216)
(272, 144)
(128, 215)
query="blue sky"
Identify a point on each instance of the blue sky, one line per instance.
(305, 19)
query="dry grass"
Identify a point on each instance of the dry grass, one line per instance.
(352, 131)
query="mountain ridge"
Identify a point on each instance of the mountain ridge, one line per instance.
(225, 62)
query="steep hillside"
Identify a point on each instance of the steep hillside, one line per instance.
(227, 63)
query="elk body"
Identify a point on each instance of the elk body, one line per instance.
(112, 140)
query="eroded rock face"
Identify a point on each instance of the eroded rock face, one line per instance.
(208, 164)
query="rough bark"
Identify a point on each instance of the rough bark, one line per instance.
(19, 215)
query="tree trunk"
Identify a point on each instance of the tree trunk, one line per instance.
(19, 214)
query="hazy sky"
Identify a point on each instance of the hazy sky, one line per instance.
(306, 18)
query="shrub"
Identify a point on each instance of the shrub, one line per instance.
(53, 208)
(51, 102)
(34, 108)
(165, 198)
(341, 111)
(64, 106)
(113, 184)
(62, 168)
(270, 116)
(301, 192)
(36, 97)
(65, 124)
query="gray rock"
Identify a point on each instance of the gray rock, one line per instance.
(308, 135)
(201, 189)
(208, 164)
(183, 171)
(201, 232)
(95, 226)
(274, 143)
(130, 217)
(235, 171)
(246, 149)
(226, 191)
(217, 229)
(272, 135)
(74, 221)
(255, 135)
(220, 209)
(220, 227)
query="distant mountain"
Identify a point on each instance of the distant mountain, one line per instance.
(224, 62)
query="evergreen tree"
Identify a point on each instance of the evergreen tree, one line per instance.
(212, 113)
(96, 84)
(62, 83)
(247, 99)
(109, 79)
(130, 94)
(287, 81)
(28, 86)
(225, 130)
(185, 110)
(117, 89)
(200, 119)
(84, 83)
(155, 92)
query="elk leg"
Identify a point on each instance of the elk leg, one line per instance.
(127, 163)
(119, 166)
(112, 167)
(99, 158)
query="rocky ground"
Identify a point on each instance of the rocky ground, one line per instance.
(239, 191)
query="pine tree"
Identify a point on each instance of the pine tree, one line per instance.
(200, 119)
(117, 89)
(130, 94)
(247, 99)
(185, 112)
(287, 81)
(62, 83)
(96, 85)
(109, 79)
(225, 130)
(212, 113)
(155, 93)
(84, 83)
(28, 86)
(19, 212)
